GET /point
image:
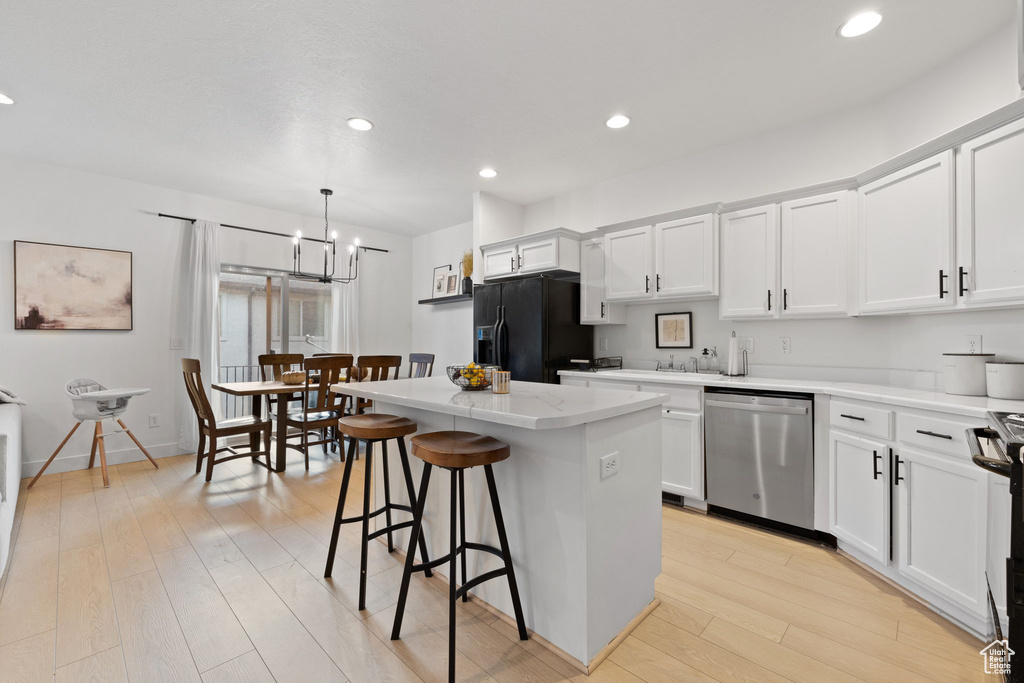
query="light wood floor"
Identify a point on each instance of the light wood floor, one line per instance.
(162, 577)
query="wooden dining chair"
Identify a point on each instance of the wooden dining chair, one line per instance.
(272, 366)
(421, 364)
(375, 369)
(334, 428)
(211, 429)
(322, 408)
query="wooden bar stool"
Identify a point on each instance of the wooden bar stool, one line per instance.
(372, 429)
(457, 452)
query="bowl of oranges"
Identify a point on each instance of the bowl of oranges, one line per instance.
(471, 377)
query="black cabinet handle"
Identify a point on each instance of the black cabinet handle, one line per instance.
(852, 417)
(963, 273)
(785, 298)
(942, 284)
(875, 464)
(647, 283)
(657, 282)
(769, 299)
(936, 434)
(898, 478)
(512, 264)
(602, 309)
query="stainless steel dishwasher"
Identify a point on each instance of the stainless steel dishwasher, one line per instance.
(759, 454)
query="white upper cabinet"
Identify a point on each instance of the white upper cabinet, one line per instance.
(905, 248)
(538, 255)
(748, 263)
(991, 226)
(594, 307)
(814, 232)
(542, 252)
(686, 257)
(629, 264)
(499, 262)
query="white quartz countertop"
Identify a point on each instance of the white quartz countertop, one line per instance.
(974, 406)
(528, 404)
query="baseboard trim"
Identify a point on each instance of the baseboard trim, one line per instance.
(623, 634)
(71, 463)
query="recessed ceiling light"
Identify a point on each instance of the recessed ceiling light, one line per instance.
(617, 121)
(359, 124)
(860, 24)
(4, 99)
(488, 173)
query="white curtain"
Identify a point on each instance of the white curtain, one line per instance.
(202, 316)
(345, 317)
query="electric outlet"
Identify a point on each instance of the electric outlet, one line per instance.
(745, 344)
(784, 344)
(973, 343)
(154, 420)
(602, 343)
(610, 465)
(177, 343)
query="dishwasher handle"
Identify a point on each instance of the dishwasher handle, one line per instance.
(757, 408)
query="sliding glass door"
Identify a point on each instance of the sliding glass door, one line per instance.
(263, 311)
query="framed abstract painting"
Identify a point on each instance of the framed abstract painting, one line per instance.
(59, 287)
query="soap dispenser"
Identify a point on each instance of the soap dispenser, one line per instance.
(704, 362)
(713, 361)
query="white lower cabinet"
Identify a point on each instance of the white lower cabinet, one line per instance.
(941, 525)
(682, 464)
(859, 493)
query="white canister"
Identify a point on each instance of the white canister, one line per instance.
(965, 373)
(1005, 379)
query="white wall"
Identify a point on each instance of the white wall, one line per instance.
(446, 330)
(45, 203)
(841, 145)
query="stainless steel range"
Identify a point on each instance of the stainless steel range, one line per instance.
(997, 448)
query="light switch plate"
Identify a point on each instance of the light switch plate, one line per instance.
(177, 343)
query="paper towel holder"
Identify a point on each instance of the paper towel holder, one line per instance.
(742, 372)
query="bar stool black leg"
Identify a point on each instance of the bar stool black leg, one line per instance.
(462, 528)
(417, 529)
(387, 493)
(366, 524)
(341, 509)
(500, 524)
(452, 597)
(404, 456)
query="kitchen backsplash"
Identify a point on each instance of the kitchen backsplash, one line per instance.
(901, 350)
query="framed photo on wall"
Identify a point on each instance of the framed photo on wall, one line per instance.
(452, 285)
(440, 284)
(673, 330)
(60, 287)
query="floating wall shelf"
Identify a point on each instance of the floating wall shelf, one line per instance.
(447, 299)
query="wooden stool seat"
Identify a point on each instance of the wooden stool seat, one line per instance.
(459, 449)
(457, 452)
(373, 426)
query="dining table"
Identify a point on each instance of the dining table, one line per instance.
(256, 390)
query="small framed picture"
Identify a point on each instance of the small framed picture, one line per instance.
(440, 285)
(673, 330)
(452, 286)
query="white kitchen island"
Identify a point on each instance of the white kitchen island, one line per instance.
(586, 550)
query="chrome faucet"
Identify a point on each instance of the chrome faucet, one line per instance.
(671, 362)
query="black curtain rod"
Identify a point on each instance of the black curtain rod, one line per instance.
(265, 232)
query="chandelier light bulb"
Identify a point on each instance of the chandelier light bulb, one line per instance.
(295, 241)
(356, 241)
(334, 235)
(351, 248)
(298, 234)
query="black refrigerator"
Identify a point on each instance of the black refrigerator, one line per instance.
(530, 327)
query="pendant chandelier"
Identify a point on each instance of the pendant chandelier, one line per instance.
(330, 255)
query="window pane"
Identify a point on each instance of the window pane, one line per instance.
(309, 312)
(243, 332)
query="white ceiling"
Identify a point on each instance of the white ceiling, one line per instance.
(248, 101)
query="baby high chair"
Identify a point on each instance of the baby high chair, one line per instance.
(90, 400)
